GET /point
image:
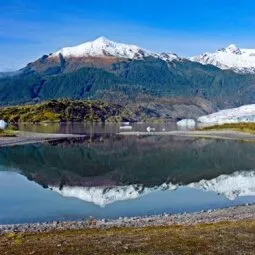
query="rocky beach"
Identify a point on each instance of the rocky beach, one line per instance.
(238, 213)
(230, 230)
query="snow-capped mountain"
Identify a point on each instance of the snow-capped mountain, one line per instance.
(231, 57)
(102, 47)
(168, 56)
(230, 186)
(245, 113)
(103, 196)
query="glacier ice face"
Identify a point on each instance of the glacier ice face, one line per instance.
(103, 196)
(231, 57)
(230, 186)
(245, 113)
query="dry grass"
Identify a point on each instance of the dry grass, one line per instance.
(7, 133)
(218, 238)
(244, 127)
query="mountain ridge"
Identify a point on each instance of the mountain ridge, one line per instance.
(240, 60)
(111, 77)
(103, 47)
(231, 58)
(228, 58)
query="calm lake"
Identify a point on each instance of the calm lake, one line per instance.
(106, 175)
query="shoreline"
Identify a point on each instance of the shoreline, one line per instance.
(219, 134)
(229, 214)
(33, 137)
(24, 137)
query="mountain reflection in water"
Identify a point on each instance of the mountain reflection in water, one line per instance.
(109, 176)
(126, 167)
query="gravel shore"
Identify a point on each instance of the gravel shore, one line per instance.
(32, 137)
(211, 216)
(219, 134)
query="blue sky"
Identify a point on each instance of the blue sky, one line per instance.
(31, 28)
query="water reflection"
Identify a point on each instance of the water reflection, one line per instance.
(156, 173)
(112, 160)
(93, 128)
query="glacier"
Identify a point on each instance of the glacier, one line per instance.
(245, 113)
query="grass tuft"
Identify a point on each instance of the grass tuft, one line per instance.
(244, 127)
(210, 239)
(7, 133)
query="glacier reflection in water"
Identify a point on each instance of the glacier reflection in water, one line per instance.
(112, 176)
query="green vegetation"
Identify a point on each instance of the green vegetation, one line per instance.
(150, 76)
(7, 133)
(244, 127)
(210, 239)
(65, 110)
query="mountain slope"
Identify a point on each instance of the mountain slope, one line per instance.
(102, 47)
(128, 80)
(100, 53)
(231, 57)
(124, 74)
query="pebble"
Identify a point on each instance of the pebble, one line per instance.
(232, 213)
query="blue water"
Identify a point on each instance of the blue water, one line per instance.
(23, 201)
(27, 172)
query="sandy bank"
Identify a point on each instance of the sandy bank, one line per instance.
(31, 137)
(222, 134)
